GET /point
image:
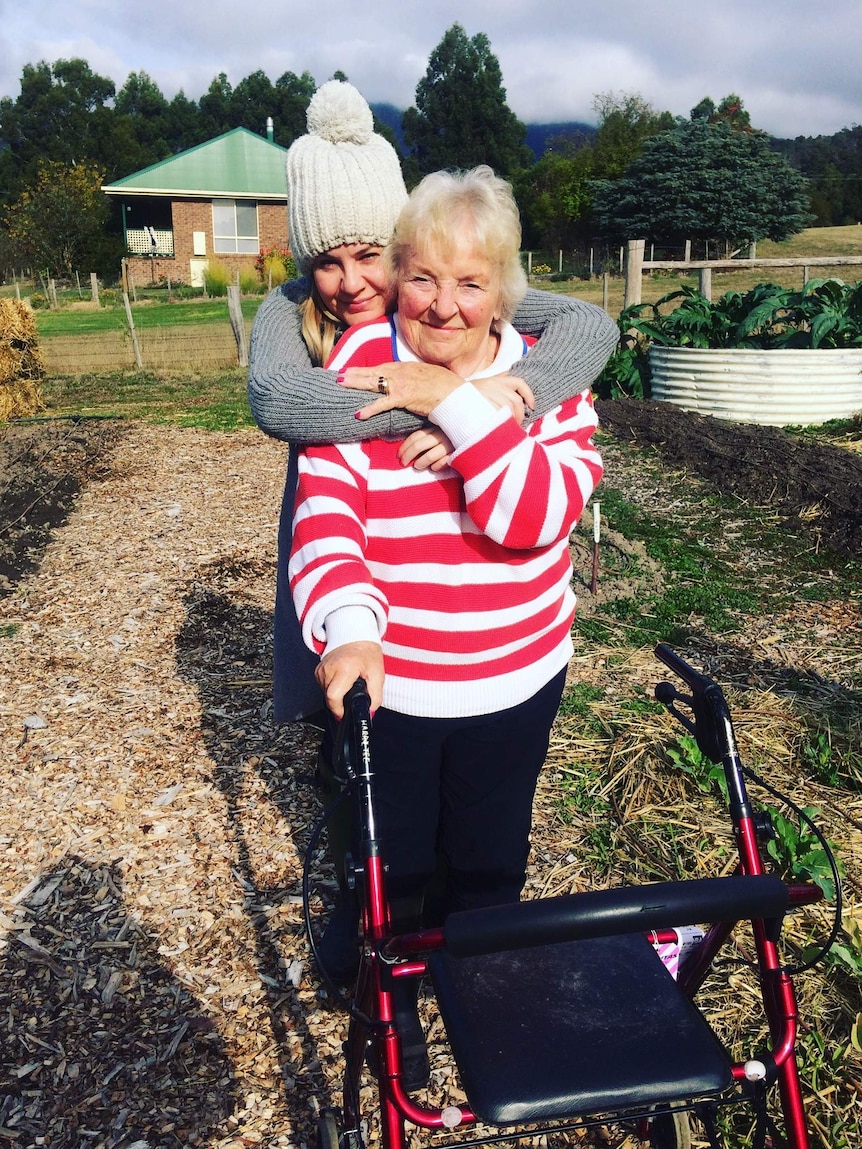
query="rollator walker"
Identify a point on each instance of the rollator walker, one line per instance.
(560, 1012)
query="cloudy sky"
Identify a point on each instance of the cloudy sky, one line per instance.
(795, 64)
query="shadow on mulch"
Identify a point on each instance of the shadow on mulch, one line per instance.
(224, 649)
(99, 1040)
(44, 466)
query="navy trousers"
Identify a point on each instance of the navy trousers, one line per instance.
(460, 789)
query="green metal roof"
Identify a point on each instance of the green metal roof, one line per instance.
(238, 164)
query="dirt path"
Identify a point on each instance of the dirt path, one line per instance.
(154, 978)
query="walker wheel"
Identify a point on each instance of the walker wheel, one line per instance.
(670, 1131)
(328, 1130)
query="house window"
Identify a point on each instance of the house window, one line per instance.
(235, 226)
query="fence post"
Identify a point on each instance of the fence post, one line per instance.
(139, 362)
(633, 271)
(94, 287)
(606, 291)
(704, 281)
(52, 295)
(237, 323)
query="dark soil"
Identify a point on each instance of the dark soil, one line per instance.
(814, 486)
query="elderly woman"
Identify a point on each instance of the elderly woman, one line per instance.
(448, 590)
(345, 191)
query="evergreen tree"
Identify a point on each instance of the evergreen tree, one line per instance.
(461, 117)
(216, 107)
(252, 101)
(292, 96)
(60, 115)
(707, 181)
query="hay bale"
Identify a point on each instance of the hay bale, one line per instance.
(21, 366)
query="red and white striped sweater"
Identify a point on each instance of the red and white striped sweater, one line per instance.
(464, 574)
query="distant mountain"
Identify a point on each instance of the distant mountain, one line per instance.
(539, 136)
(389, 115)
(537, 139)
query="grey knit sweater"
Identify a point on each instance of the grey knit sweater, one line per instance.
(298, 403)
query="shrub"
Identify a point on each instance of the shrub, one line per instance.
(216, 278)
(249, 282)
(108, 297)
(38, 300)
(275, 265)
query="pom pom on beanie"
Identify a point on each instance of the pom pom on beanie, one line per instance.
(344, 182)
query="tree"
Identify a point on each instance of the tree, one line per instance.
(554, 196)
(625, 122)
(461, 117)
(216, 107)
(556, 193)
(58, 223)
(60, 115)
(706, 181)
(252, 102)
(292, 96)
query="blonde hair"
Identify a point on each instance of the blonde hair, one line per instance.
(320, 328)
(449, 205)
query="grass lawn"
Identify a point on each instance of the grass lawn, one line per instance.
(215, 400)
(80, 321)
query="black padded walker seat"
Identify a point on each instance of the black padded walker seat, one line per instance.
(574, 1029)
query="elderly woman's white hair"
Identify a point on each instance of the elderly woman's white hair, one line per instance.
(449, 206)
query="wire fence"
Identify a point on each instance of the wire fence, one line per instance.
(204, 346)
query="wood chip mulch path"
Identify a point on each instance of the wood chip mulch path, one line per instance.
(156, 987)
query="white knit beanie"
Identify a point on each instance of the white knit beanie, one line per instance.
(344, 182)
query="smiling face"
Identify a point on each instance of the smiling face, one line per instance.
(447, 303)
(351, 282)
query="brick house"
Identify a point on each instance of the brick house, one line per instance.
(223, 200)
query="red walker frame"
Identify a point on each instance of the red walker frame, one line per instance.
(751, 895)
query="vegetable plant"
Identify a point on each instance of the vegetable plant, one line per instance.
(826, 313)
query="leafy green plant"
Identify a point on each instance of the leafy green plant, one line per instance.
(826, 313)
(817, 756)
(797, 851)
(847, 954)
(687, 756)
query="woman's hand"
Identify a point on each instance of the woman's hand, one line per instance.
(426, 448)
(417, 387)
(508, 391)
(339, 669)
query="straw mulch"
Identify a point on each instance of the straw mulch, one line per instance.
(155, 983)
(21, 366)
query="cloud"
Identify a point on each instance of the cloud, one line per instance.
(798, 75)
